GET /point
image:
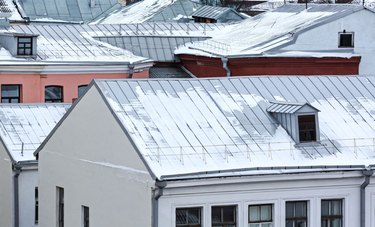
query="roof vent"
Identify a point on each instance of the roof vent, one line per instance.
(300, 120)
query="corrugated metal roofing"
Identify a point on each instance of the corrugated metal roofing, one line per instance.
(211, 12)
(268, 31)
(66, 10)
(168, 72)
(23, 127)
(285, 107)
(186, 126)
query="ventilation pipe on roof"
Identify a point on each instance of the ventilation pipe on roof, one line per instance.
(17, 170)
(367, 174)
(131, 70)
(225, 65)
(156, 194)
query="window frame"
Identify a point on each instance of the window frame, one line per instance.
(36, 205)
(83, 92)
(85, 216)
(299, 131)
(222, 222)
(60, 206)
(53, 100)
(346, 33)
(332, 217)
(24, 48)
(260, 222)
(9, 98)
(188, 224)
(294, 218)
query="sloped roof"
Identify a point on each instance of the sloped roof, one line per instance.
(66, 10)
(72, 43)
(185, 126)
(168, 72)
(23, 127)
(211, 12)
(146, 10)
(287, 107)
(268, 31)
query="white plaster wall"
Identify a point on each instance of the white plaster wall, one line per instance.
(6, 189)
(276, 191)
(28, 180)
(92, 159)
(325, 37)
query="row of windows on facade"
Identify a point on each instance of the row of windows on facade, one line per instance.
(296, 215)
(12, 93)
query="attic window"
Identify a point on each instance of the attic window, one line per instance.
(25, 46)
(307, 128)
(346, 39)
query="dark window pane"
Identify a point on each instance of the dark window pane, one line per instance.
(254, 213)
(188, 217)
(25, 46)
(325, 208)
(10, 93)
(346, 40)
(224, 216)
(81, 90)
(181, 216)
(53, 94)
(300, 209)
(289, 210)
(229, 214)
(307, 128)
(216, 214)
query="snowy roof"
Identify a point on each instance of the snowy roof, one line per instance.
(145, 10)
(65, 10)
(287, 107)
(268, 31)
(72, 43)
(211, 12)
(23, 127)
(9, 10)
(186, 126)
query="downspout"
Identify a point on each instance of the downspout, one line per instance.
(131, 70)
(225, 65)
(156, 194)
(367, 174)
(17, 170)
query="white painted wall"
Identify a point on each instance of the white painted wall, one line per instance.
(269, 189)
(6, 189)
(91, 158)
(27, 181)
(325, 37)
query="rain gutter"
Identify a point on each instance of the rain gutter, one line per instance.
(157, 192)
(367, 174)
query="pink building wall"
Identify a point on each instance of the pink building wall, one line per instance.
(32, 85)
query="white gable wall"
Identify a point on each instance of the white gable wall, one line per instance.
(6, 189)
(27, 181)
(326, 38)
(90, 156)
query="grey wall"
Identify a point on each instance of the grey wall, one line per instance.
(92, 159)
(28, 180)
(6, 189)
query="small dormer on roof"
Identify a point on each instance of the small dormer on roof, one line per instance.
(21, 45)
(300, 120)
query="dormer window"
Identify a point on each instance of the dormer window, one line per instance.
(307, 128)
(25, 46)
(346, 39)
(300, 120)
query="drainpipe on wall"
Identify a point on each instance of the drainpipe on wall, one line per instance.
(131, 70)
(17, 170)
(156, 194)
(367, 174)
(225, 65)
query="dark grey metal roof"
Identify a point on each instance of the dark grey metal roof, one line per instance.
(157, 48)
(66, 10)
(287, 107)
(177, 11)
(211, 12)
(168, 72)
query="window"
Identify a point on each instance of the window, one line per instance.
(53, 94)
(10, 93)
(296, 214)
(36, 216)
(85, 216)
(81, 90)
(332, 213)
(307, 128)
(188, 217)
(60, 207)
(260, 215)
(346, 39)
(25, 46)
(223, 216)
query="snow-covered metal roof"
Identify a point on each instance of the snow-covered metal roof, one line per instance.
(268, 31)
(23, 127)
(286, 107)
(211, 12)
(185, 126)
(72, 43)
